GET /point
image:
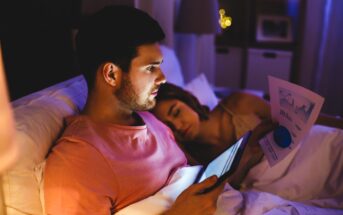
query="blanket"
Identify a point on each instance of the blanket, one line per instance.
(308, 181)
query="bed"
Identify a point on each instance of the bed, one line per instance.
(308, 181)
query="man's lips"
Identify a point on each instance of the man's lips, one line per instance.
(154, 92)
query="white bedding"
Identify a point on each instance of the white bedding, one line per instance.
(308, 181)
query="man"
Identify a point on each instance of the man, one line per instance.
(115, 153)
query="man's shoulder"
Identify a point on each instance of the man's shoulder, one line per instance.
(76, 125)
(78, 129)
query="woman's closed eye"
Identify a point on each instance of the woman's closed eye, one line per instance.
(176, 113)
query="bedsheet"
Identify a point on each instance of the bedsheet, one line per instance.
(308, 181)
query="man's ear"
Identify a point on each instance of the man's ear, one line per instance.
(110, 72)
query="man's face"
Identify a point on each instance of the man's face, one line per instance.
(139, 86)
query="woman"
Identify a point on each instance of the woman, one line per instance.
(203, 134)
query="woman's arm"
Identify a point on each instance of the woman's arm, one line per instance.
(252, 154)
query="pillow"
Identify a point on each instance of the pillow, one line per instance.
(38, 122)
(201, 89)
(171, 67)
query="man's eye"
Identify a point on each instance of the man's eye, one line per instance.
(150, 68)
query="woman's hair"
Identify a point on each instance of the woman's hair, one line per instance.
(170, 91)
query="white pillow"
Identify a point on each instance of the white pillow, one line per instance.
(39, 121)
(201, 89)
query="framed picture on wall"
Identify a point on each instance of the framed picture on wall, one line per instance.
(273, 28)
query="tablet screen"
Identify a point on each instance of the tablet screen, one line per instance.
(226, 162)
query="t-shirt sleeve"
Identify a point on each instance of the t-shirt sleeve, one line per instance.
(78, 180)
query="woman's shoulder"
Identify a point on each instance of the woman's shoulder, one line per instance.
(236, 98)
(240, 101)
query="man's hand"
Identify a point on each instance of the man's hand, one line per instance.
(192, 201)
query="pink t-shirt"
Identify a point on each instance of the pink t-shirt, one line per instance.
(99, 168)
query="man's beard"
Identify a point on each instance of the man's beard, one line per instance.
(129, 97)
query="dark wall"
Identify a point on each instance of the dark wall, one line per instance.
(37, 43)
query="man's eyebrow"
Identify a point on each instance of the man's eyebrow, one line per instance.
(171, 109)
(156, 62)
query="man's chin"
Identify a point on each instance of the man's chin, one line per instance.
(151, 104)
(147, 106)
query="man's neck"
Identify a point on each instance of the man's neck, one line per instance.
(110, 110)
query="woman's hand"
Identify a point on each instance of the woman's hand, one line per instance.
(260, 131)
(252, 154)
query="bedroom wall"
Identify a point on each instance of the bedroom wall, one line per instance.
(36, 43)
(317, 62)
(37, 40)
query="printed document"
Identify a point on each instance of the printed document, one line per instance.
(293, 107)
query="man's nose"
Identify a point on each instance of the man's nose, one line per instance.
(161, 79)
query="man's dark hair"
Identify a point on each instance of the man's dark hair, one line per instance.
(169, 91)
(113, 34)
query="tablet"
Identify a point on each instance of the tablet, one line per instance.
(226, 163)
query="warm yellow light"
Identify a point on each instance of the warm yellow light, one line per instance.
(228, 21)
(221, 11)
(224, 21)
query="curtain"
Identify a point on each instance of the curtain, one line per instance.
(163, 12)
(329, 74)
(321, 62)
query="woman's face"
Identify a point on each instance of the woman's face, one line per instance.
(181, 118)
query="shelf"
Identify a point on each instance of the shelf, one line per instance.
(238, 67)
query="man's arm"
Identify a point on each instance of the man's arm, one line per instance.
(192, 201)
(77, 180)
